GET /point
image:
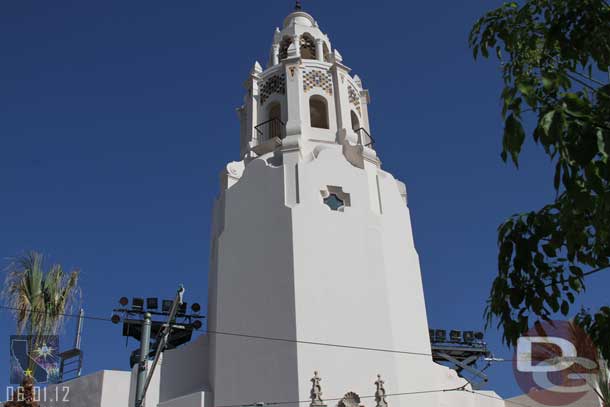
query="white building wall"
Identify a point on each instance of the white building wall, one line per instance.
(252, 282)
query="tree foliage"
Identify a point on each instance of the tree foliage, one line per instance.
(39, 299)
(554, 57)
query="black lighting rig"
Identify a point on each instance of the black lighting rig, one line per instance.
(133, 318)
(463, 351)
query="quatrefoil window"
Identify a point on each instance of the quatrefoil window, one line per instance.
(334, 202)
(335, 198)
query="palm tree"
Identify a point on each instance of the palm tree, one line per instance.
(603, 382)
(39, 299)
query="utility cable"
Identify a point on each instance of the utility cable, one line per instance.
(278, 403)
(270, 338)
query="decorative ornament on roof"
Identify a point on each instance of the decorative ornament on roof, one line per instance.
(316, 391)
(351, 399)
(380, 393)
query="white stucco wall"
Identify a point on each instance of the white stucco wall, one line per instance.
(106, 388)
(285, 266)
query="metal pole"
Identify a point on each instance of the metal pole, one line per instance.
(164, 335)
(79, 328)
(144, 349)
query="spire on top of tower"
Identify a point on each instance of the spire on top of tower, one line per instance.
(298, 6)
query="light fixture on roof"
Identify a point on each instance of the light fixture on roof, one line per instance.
(440, 335)
(137, 303)
(166, 306)
(152, 303)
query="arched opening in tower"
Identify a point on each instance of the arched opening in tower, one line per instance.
(318, 112)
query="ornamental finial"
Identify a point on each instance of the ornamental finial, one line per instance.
(298, 6)
(380, 393)
(316, 391)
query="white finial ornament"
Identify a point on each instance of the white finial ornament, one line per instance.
(256, 69)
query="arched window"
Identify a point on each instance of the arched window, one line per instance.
(284, 45)
(355, 121)
(326, 53)
(318, 112)
(275, 120)
(308, 47)
(275, 111)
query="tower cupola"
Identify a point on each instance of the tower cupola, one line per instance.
(305, 98)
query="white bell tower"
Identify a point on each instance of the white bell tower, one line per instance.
(312, 242)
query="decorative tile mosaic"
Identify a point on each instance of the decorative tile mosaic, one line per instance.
(354, 97)
(315, 78)
(275, 84)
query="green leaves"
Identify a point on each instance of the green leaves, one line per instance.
(514, 136)
(549, 52)
(597, 326)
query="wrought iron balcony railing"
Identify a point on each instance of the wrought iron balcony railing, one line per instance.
(364, 138)
(270, 129)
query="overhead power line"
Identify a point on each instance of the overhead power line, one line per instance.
(276, 339)
(496, 398)
(275, 403)
(279, 403)
(268, 338)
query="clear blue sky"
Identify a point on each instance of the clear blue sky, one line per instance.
(116, 118)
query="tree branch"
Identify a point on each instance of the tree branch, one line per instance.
(588, 273)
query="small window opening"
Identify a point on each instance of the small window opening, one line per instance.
(284, 45)
(355, 121)
(308, 47)
(335, 198)
(318, 112)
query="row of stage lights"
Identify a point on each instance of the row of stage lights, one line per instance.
(462, 337)
(152, 306)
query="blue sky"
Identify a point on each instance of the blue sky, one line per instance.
(116, 118)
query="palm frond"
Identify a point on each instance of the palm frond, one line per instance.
(39, 300)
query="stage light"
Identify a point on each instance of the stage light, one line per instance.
(455, 336)
(124, 301)
(166, 306)
(197, 324)
(152, 303)
(182, 309)
(115, 319)
(479, 336)
(137, 303)
(196, 307)
(440, 335)
(468, 336)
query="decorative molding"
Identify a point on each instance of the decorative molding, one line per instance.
(351, 399)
